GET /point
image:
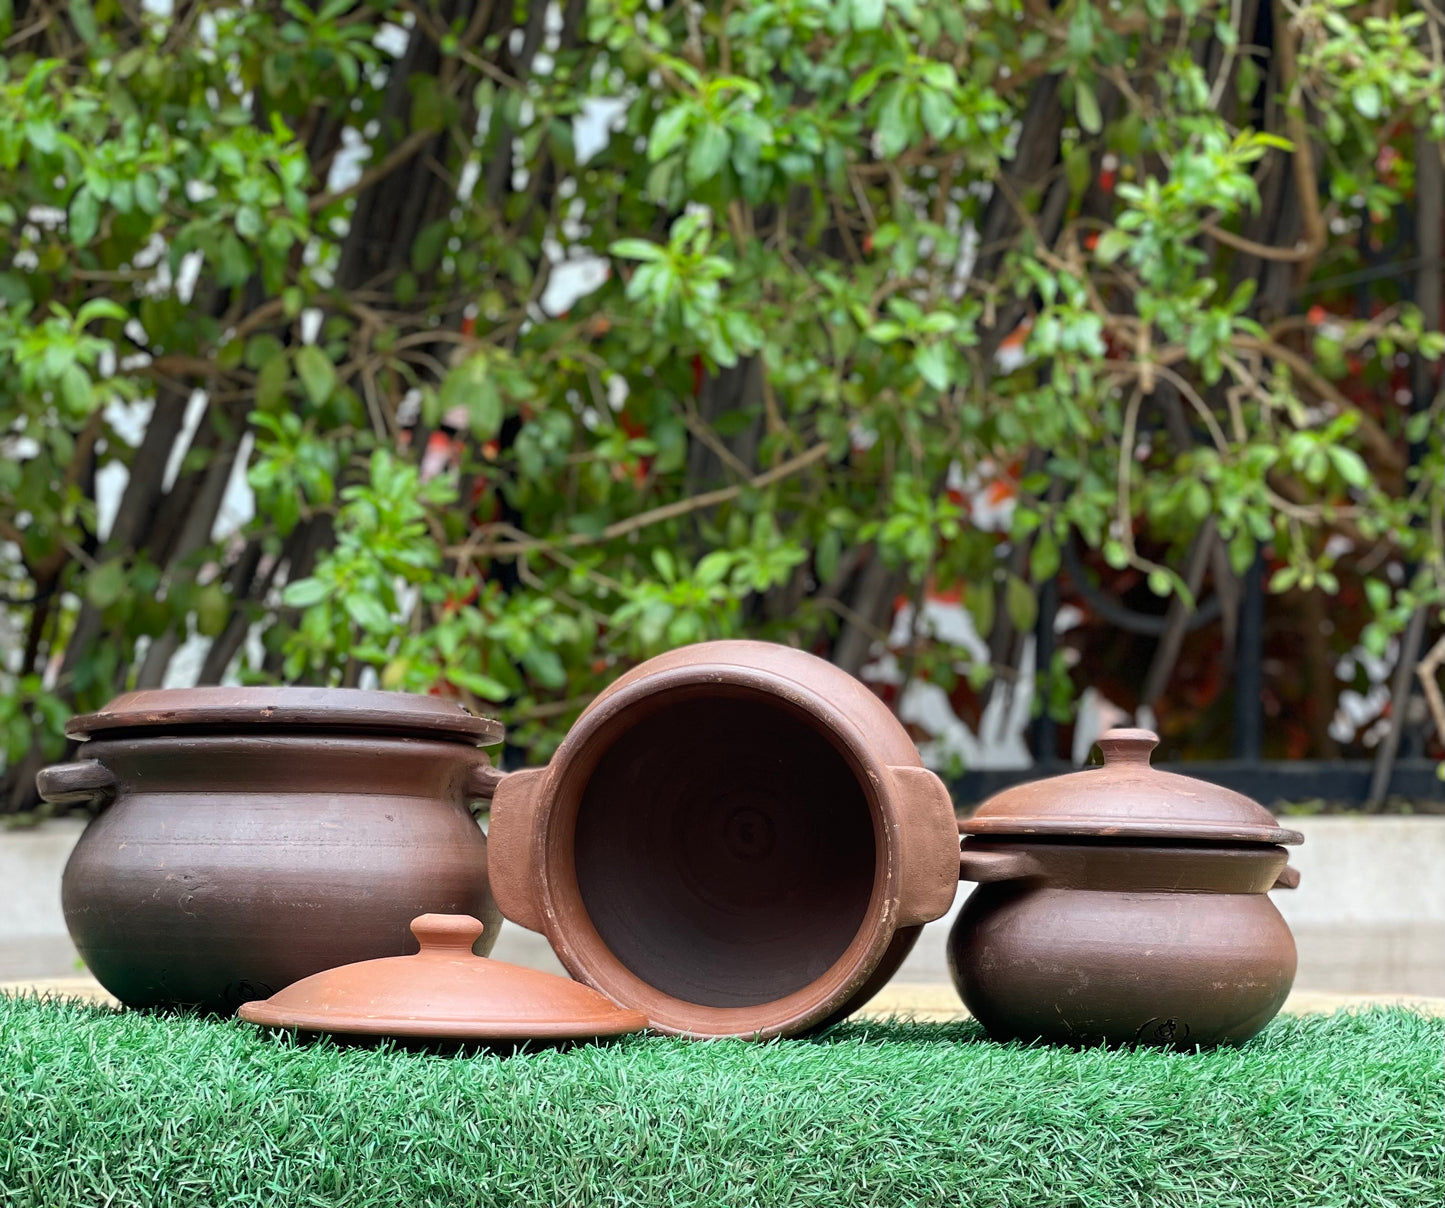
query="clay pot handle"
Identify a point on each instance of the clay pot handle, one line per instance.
(446, 932)
(988, 866)
(1288, 879)
(482, 781)
(1125, 746)
(513, 873)
(86, 780)
(927, 838)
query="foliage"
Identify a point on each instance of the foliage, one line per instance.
(817, 226)
(162, 1110)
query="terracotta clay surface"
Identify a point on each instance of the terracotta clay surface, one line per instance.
(736, 838)
(1078, 943)
(1128, 798)
(444, 992)
(226, 866)
(1127, 908)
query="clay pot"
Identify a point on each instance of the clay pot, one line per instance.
(1123, 905)
(736, 838)
(251, 837)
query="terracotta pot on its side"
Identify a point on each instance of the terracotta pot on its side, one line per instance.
(736, 838)
(255, 836)
(1123, 904)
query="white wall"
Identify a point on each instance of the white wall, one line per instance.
(1369, 915)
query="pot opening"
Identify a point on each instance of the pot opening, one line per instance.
(725, 849)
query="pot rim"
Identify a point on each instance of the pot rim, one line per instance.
(259, 710)
(223, 767)
(569, 926)
(1133, 828)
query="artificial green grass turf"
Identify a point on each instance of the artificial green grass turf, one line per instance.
(99, 1107)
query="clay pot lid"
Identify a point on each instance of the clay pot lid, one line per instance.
(444, 992)
(1126, 798)
(172, 710)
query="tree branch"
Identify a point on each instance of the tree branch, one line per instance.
(668, 511)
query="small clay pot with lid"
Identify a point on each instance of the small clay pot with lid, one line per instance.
(250, 837)
(1123, 904)
(736, 838)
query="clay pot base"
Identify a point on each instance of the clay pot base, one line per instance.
(728, 872)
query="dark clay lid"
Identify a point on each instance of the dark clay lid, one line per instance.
(444, 992)
(216, 708)
(1129, 799)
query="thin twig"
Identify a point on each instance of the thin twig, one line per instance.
(657, 515)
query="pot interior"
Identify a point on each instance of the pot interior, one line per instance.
(725, 849)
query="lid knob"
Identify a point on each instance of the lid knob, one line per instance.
(1125, 746)
(446, 932)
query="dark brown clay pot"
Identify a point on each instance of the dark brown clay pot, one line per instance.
(252, 837)
(736, 838)
(1129, 907)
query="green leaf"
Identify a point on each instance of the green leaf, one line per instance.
(931, 361)
(895, 130)
(84, 215)
(1021, 604)
(1367, 101)
(82, 18)
(105, 584)
(76, 391)
(213, 610)
(1087, 105)
(367, 611)
(271, 382)
(148, 193)
(1079, 169)
(317, 373)
(713, 568)
(477, 684)
(426, 250)
(100, 308)
(668, 131)
(868, 14)
(43, 136)
(470, 385)
(14, 289)
(707, 152)
(636, 249)
(545, 666)
(1044, 557)
(1112, 244)
(428, 111)
(828, 555)
(1350, 466)
(978, 599)
(304, 593)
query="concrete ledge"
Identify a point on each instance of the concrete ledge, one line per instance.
(923, 1002)
(1368, 917)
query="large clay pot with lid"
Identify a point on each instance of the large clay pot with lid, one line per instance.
(250, 837)
(1123, 904)
(735, 838)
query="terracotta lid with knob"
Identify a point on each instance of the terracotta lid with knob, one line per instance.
(187, 710)
(444, 992)
(1128, 799)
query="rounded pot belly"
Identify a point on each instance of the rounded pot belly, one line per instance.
(211, 900)
(1084, 967)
